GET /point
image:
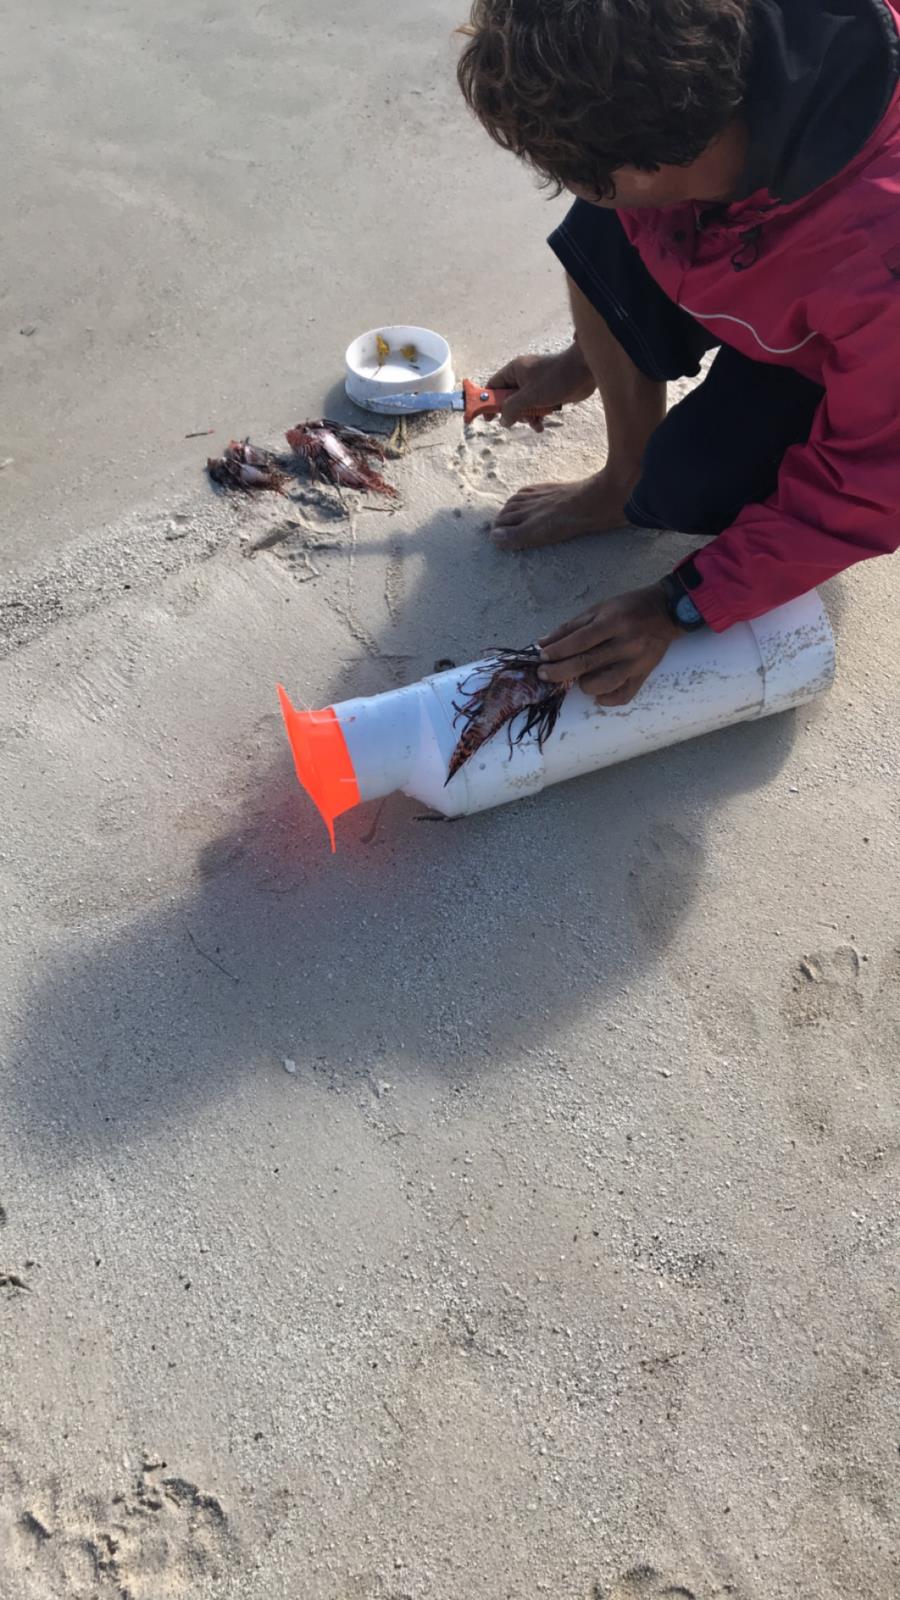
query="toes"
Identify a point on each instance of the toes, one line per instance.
(519, 502)
(527, 502)
(509, 536)
(529, 490)
(537, 490)
(520, 536)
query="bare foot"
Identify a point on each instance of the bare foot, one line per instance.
(551, 513)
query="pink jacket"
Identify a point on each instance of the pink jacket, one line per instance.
(808, 280)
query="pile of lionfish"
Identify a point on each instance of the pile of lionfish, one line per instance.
(512, 690)
(331, 452)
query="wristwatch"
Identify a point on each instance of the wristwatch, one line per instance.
(680, 606)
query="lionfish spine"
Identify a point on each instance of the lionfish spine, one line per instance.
(512, 690)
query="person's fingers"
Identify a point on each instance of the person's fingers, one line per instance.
(619, 697)
(608, 684)
(583, 636)
(616, 652)
(576, 666)
(517, 404)
(590, 663)
(563, 631)
(506, 377)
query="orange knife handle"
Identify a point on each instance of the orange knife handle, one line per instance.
(488, 403)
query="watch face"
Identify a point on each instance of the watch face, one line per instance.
(687, 612)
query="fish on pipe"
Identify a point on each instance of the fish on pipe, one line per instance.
(426, 740)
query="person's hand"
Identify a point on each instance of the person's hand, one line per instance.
(542, 383)
(612, 648)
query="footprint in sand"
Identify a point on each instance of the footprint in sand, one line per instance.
(666, 874)
(643, 1583)
(476, 464)
(841, 987)
(164, 1537)
(825, 988)
(842, 1013)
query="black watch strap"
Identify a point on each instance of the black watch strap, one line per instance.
(680, 606)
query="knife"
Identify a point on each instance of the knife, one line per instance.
(473, 400)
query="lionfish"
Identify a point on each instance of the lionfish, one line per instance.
(337, 453)
(331, 450)
(243, 466)
(512, 690)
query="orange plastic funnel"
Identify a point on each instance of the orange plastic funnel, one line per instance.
(322, 761)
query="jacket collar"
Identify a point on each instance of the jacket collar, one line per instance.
(822, 75)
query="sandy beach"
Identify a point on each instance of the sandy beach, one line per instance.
(563, 1257)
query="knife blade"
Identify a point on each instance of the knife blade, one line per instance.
(407, 404)
(472, 399)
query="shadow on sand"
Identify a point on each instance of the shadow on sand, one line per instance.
(440, 947)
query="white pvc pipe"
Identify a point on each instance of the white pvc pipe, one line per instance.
(404, 739)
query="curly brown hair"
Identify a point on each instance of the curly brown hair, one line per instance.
(578, 88)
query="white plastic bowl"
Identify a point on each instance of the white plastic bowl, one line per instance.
(367, 382)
